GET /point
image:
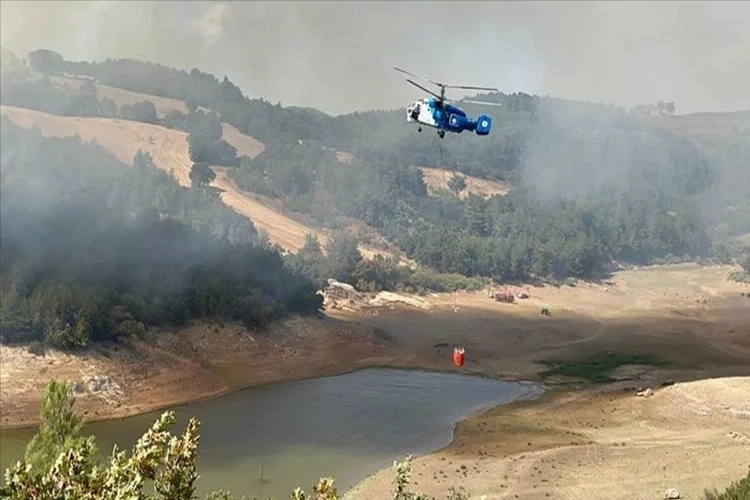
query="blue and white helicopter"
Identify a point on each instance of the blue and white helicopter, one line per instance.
(436, 112)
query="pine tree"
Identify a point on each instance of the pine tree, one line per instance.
(60, 429)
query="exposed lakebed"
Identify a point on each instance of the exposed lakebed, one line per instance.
(347, 426)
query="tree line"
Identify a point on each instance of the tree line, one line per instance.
(592, 182)
(93, 249)
(513, 237)
(20, 88)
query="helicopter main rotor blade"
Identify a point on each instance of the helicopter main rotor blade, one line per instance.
(469, 87)
(483, 103)
(420, 77)
(424, 89)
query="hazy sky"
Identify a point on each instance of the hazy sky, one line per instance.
(337, 56)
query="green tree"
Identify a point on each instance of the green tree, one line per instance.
(142, 111)
(46, 61)
(343, 257)
(201, 174)
(86, 103)
(107, 108)
(745, 262)
(143, 160)
(738, 490)
(60, 430)
(457, 183)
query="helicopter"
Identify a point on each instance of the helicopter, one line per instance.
(437, 112)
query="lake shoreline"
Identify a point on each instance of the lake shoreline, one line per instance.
(170, 369)
(340, 347)
(689, 315)
(344, 431)
(267, 384)
(547, 445)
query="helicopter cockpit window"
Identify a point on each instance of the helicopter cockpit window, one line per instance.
(415, 111)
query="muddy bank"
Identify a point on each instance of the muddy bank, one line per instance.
(202, 361)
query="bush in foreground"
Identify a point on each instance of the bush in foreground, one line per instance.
(738, 490)
(159, 457)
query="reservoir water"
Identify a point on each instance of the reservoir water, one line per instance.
(347, 426)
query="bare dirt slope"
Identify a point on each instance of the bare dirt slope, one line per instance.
(282, 230)
(169, 149)
(437, 180)
(689, 314)
(245, 145)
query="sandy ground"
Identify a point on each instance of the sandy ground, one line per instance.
(570, 445)
(437, 180)
(593, 445)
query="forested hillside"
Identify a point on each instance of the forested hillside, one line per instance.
(591, 183)
(92, 249)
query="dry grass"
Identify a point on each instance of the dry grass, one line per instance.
(245, 145)
(437, 180)
(282, 230)
(169, 149)
(123, 97)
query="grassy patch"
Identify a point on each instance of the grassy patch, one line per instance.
(597, 368)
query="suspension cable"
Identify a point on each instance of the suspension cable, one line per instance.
(442, 161)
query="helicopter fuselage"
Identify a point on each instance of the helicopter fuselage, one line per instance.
(445, 117)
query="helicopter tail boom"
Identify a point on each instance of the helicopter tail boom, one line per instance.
(484, 125)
